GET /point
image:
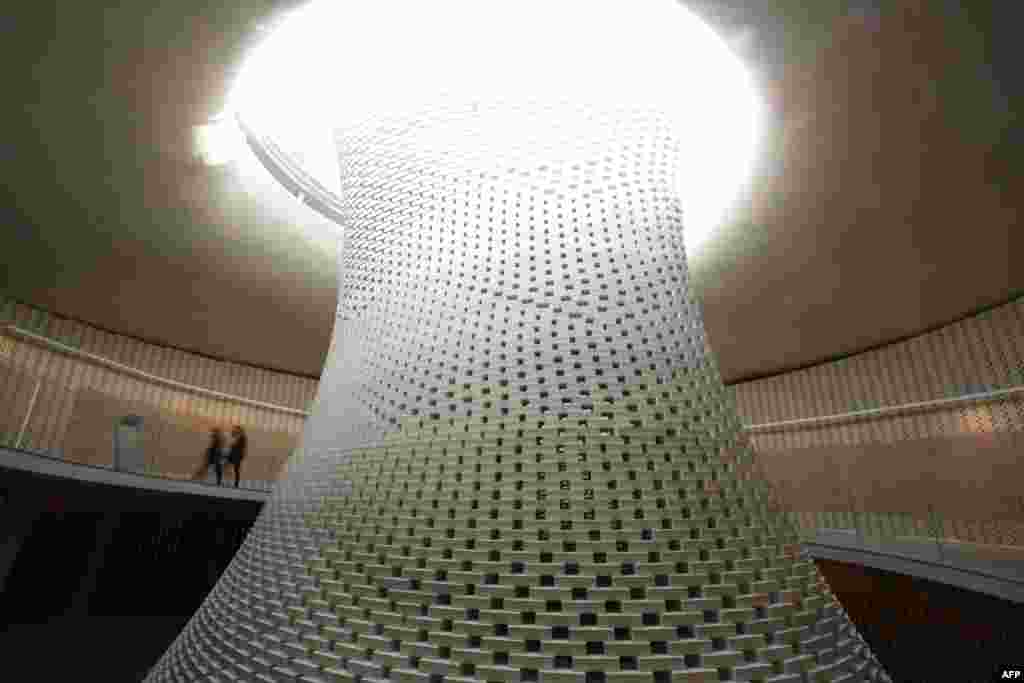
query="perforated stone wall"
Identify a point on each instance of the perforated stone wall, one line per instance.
(522, 465)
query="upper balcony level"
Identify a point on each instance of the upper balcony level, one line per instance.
(904, 475)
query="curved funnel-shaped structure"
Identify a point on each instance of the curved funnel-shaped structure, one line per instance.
(522, 464)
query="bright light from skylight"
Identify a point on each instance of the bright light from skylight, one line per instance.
(218, 142)
(334, 63)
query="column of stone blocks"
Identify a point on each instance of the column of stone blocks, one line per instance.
(557, 588)
(528, 468)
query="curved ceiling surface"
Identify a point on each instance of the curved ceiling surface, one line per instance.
(886, 203)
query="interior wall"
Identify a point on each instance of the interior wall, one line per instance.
(978, 354)
(236, 379)
(951, 471)
(77, 404)
(16, 389)
(826, 474)
(174, 444)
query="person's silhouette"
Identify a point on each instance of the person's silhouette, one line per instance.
(215, 453)
(236, 453)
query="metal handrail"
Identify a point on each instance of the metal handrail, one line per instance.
(53, 345)
(265, 485)
(28, 414)
(911, 558)
(819, 421)
(887, 411)
(293, 177)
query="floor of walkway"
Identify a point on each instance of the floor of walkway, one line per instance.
(992, 570)
(55, 467)
(114, 649)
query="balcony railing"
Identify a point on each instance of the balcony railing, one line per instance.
(833, 488)
(61, 402)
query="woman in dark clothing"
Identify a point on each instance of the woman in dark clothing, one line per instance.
(214, 455)
(236, 454)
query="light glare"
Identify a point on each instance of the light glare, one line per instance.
(335, 63)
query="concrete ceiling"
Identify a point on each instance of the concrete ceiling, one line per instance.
(888, 202)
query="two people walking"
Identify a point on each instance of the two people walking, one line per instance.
(217, 454)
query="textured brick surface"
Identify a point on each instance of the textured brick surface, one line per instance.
(523, 465)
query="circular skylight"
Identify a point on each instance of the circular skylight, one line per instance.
(336, 63)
